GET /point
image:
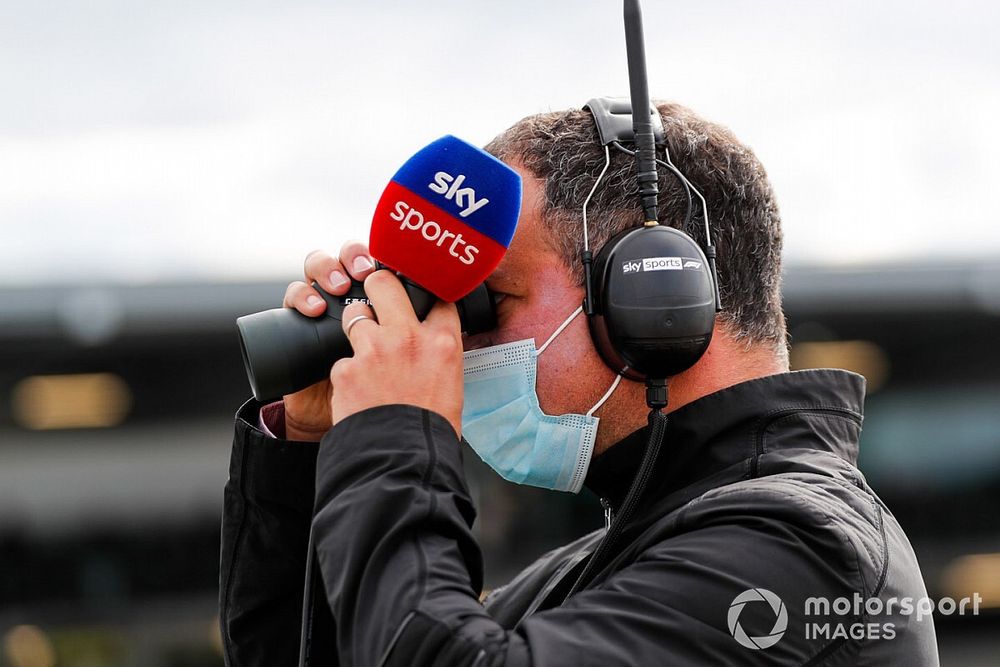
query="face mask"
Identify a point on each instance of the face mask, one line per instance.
(503, 423)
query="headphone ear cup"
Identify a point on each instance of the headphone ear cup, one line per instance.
(654, 302)
(599, 322)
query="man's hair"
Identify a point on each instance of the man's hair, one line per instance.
(563, 150)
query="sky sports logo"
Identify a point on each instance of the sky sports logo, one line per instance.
(448, 185)
(438, 225)
(465, 198)
(411, 219)
(446, 217)
(660, 264)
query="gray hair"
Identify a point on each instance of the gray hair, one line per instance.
(563, 150)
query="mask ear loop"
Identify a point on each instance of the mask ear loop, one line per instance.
(562, 326)
(618, 377)
(607, 394)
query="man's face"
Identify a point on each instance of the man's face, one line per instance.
(537, 293)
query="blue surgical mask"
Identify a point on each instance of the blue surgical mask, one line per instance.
(503, 423)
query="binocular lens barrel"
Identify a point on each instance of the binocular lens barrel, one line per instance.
(285, 351)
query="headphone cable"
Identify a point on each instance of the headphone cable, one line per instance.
(656, 394)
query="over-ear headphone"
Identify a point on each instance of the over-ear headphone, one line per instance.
(651, 292)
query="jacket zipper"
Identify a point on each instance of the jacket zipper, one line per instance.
(548, 588)
(607, 513)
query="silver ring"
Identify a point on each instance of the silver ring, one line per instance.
(354, 320)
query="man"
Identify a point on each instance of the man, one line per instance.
(754, 507)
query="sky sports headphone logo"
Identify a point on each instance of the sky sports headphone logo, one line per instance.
(660, 264)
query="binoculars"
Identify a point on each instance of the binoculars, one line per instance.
(285, 351)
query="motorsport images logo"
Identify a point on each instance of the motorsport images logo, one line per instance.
(780, 618)
(860, 618)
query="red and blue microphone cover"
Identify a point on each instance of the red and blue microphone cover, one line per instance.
(446, 218)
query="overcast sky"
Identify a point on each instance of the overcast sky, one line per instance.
(144, 141)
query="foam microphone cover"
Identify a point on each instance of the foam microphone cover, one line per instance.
(446, 218)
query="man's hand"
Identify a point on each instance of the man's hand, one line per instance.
(307, 412)
(398, 358)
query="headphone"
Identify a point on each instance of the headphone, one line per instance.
(651, 293)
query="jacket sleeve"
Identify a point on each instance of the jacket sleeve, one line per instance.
(267, 508)
(404, 586)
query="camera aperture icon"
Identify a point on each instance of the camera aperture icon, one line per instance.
(780, 620)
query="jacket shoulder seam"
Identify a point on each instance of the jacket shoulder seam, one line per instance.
(829, 520)
(779, 414)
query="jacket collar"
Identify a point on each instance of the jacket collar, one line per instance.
(711, 434)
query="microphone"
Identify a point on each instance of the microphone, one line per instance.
(443, 224)
(447, 216)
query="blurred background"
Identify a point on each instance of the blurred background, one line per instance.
(165, 167)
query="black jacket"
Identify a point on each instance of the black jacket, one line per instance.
(755, 488)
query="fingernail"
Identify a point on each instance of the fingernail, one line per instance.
(362, 263)
(314, 301)
(338, 279)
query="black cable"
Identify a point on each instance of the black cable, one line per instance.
(305, 638)
(606, 549)
(671, 169)
(642, 126)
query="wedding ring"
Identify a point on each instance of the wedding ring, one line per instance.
(352, 322)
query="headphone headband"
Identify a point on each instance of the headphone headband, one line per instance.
(613, 116)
